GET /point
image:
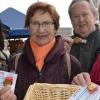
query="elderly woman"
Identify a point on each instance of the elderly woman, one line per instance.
(43, 58)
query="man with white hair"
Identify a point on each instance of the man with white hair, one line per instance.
(83, 16)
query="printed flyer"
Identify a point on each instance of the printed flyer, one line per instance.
(7, 78)
(84, 94)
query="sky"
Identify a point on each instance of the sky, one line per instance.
(22, 5)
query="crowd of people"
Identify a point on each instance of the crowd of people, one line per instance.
(43, 58)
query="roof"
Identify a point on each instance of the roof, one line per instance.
(13, 21)
(13, 18)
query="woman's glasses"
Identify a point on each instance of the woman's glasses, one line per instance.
(45, 24)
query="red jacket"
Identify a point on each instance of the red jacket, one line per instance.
(95, 72)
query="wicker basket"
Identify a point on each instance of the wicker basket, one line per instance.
(43, 91)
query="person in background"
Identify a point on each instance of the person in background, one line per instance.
(99, 9)
(43, 58)
(3, 56)
(86, 34)
(6, 49)
(1, 37)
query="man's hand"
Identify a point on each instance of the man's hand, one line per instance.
(82, 79)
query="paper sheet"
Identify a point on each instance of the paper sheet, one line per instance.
(3, 75)
(83, 94)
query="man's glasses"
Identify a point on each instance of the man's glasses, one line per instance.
(45, 24)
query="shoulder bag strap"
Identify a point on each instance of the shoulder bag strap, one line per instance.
(68, 64)
(16, 60)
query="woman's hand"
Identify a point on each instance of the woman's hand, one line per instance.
(68, 43)
(82, 79)
(7, 94)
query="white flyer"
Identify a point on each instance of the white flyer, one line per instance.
(83, 94)
(3, 75)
